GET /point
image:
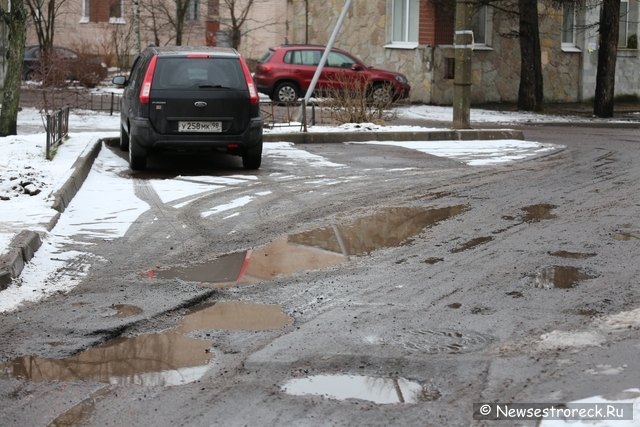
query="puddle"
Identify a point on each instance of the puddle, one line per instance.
(234, 316)
(471, 244)
(80, 412)
(125, 310)
(572, 255)
(537, 213)
(443, 341)
(433, 260)
(627, 236)
(556, 276)
(315, 249)
(373, 389)
(165, 359)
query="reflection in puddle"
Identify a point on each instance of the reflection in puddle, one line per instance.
(537, 213)
(556, 276)
(165, 359)
(471, 244)
(442, 341)
(627, 236)
(125, 310)
(572, 255)
(315, 249)
(373, 389)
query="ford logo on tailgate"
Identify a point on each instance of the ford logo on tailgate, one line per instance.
(200, 104)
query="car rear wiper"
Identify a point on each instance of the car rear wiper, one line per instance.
(213, 86)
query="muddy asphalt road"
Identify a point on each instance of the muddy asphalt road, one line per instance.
(434, 283)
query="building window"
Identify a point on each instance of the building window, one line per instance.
(627, 33)
(85, 11)
(480, 26)
(116, 12)
(405, 20)
(568, 24)
(192, 10)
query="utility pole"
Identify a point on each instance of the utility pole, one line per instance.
(462, 77)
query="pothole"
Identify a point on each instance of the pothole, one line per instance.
(572, 255)
(626, 236)
(374, 389)
(557, 276)
(125, 310)
(313, 250)
(166, 359)
(443, 341)
(537, 213)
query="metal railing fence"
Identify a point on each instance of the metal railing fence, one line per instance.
(57, 128)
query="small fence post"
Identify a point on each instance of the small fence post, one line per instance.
(48, 153)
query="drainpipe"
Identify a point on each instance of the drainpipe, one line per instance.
(323, 60)
(462, 77)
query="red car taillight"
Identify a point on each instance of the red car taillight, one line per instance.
(263, 68)
(253, 93)
(146, 83)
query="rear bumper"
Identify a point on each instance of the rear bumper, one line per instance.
(147, 138)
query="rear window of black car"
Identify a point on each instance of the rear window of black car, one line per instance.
(183, 73)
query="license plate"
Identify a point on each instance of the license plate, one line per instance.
(199, 126)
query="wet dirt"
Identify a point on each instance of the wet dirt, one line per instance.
(374, 389)
(557, 276)
(471, 244)
(572, 255)
(443, 341)
(125, 310)
(313, 250)
(537, 213)
(164, 359)
(627, 236)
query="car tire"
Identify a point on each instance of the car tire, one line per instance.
(286, 92)
(137, 156)
(381, 94)
(33, 75)
(124, 139)
(252, 158)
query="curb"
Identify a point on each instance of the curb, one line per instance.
(24, 245)
(435, 135)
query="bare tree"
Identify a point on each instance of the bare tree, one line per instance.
(166, 18)
(238, 12)
(43, 15)
(607, 54)
(16, 21)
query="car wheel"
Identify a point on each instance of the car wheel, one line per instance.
(286, 92)
(137, 156)
(33, 75)
(124, 139)
(252, 158)
(382, 94)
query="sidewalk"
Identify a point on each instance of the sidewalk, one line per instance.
(26, 219)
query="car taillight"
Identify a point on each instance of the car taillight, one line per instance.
(253, 93)
(146, 83)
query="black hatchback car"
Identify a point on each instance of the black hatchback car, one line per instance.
(185, 98)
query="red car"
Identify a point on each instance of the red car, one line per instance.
(285, 72)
